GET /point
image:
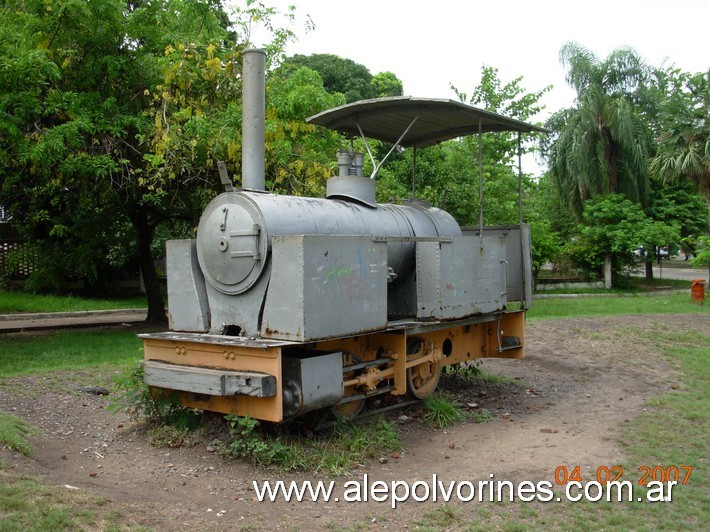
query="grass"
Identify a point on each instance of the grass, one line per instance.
(603, 306)
(14, 432)
(28, 354)
(15, 301)
(632, 285)
(471, 370)
(442, 411)
(483, 416)
(672, 431)
(444, 517)
(675, 430)
(172, 436)
(27, 503)
(336, 453)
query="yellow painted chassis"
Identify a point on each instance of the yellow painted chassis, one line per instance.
(438, 344)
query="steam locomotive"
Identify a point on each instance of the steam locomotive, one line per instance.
(283, 305)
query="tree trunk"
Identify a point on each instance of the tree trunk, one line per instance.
(649, 269)
(154, 295)
(607, 272)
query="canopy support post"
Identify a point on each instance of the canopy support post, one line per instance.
(520, 180)
(480, 179)
(523, 277)
(414, 172)
(372, 158)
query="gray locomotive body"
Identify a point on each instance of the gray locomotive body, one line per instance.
(285, 304)
(258, 256)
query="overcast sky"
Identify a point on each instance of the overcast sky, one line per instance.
(445, 42)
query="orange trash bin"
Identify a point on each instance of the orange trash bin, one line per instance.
(697, 290)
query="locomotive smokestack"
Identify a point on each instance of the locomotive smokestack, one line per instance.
(253, 119)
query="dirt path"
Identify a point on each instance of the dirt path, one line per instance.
(580, 381)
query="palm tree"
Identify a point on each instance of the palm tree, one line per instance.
(683, 142)
(601, 145)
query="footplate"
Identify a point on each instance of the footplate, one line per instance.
(208, 381)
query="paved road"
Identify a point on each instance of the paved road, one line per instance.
(685, 274)
(58, 320)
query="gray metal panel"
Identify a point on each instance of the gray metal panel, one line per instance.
(233, 256)
(429, 301)
(320, 379)
(437, 120)
(208, 381)
(238, 311)
(460, 278)
(491, 272)
(188, 309)
(325, 286)
(526, 267)
(519, 257)
(402, 297)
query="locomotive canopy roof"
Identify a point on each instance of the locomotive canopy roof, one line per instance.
(429, 120)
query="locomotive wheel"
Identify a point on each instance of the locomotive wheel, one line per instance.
(353, 408)
(423, 379)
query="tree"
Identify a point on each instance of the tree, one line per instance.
(680, 205)
(540, 209)
(448, 174)
(613, 226)
(601, 144)
(300, 156)
(683, 136)
(347, 77)
(385, 84)
(114, 114)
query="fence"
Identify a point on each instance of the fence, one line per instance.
(23, 258)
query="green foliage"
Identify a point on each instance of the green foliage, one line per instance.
(548, 223)
(448, 174)
(120, 124)
(702, 252)
(138, 400)
(246, 443)
(344, 76)
(601, 144)
(546, 246)
(613, 225)
(442, 412)
(468, 369)
(335, 453)
(680, 203)
(299, 156)
(385, 84)
(14, 432)
(683, 144)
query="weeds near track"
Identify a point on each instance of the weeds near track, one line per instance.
(442, 411)
(333, 453)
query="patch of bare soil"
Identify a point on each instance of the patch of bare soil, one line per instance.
(580, 381)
